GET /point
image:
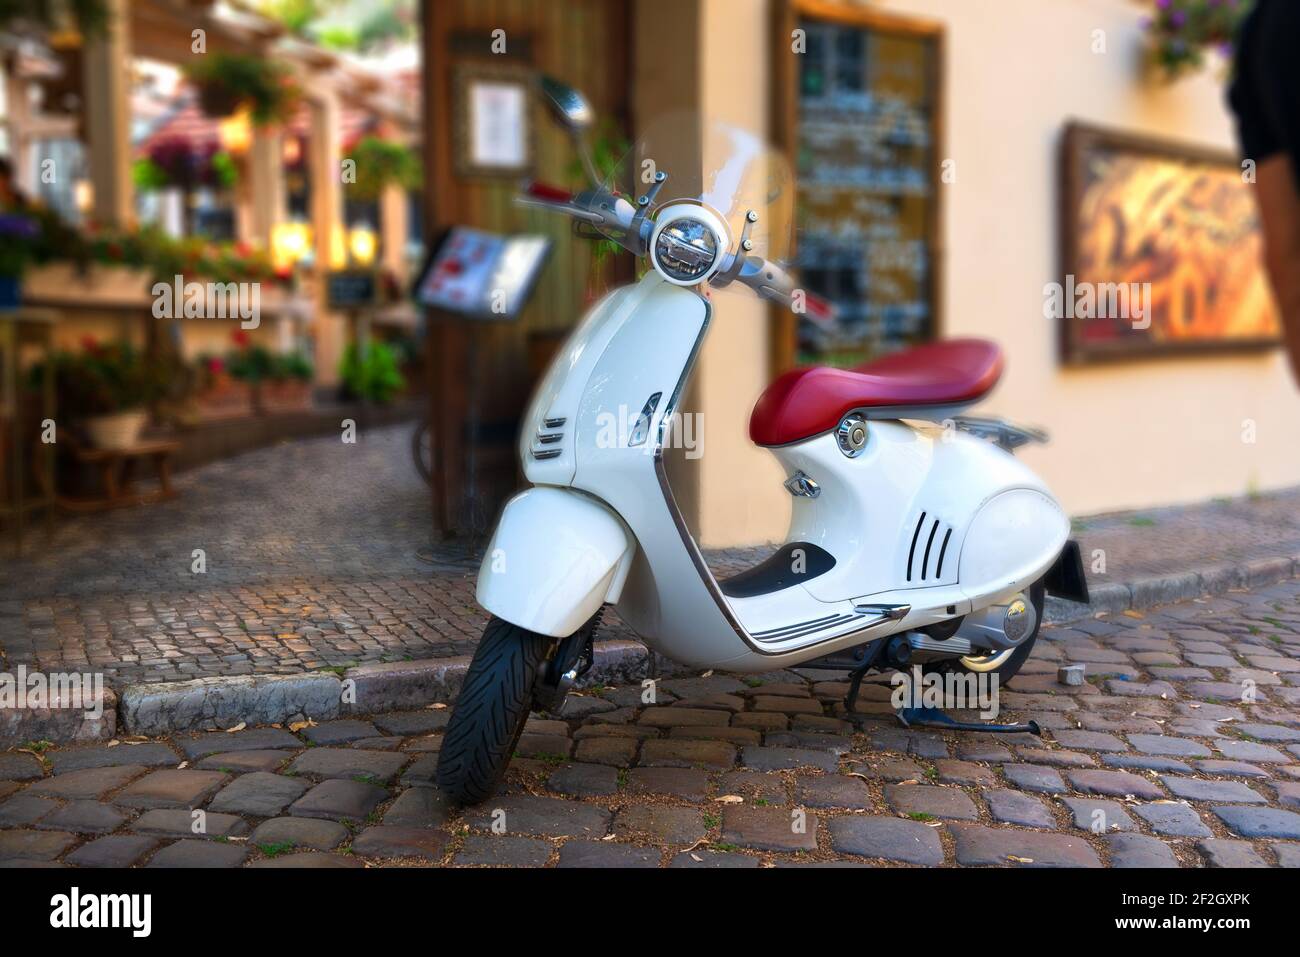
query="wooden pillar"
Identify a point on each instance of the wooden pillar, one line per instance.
(266, 176)
(327, 226)
(393, 224)
(445, 339)
(106, 113)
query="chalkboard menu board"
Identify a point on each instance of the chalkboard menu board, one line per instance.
(864, 150)
(349, 289)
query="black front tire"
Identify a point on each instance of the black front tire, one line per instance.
(490, 712)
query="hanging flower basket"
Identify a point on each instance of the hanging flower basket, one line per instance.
(379, 163)
(1180, 32)
(176, 162)
(229, 82)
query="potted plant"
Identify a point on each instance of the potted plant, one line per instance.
(219, 394)
(249, 364)
(17, 236)
(371, 373)
(107, 390)
(287, 387)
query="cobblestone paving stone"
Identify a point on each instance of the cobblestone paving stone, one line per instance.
(731, 771)
(310, 550)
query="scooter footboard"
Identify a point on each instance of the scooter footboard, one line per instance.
(556, 556)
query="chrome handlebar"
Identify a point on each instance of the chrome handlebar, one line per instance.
(616, 218)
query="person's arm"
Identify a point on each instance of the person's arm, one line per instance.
(1279, 209)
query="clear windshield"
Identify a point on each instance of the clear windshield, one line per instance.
(740, 172)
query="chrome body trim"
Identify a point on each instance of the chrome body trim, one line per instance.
(801, 486)
(851, 435)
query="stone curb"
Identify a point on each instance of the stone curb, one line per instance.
(206, 704)
(210, 703)
(60, 723)
(395, 686)
(1145, 593)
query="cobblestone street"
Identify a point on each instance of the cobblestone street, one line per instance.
(310, 553)
(310, 556)
(1156, 760)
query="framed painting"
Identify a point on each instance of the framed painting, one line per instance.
(1161, 249)
(493, 120)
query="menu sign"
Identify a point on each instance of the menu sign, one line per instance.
(865, 163)
(482, 275)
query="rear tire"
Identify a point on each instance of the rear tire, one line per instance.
(490, 712)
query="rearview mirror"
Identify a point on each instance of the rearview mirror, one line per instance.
(568, 105)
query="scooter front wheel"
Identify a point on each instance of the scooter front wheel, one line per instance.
(490, 713)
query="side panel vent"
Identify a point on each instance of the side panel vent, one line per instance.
(546, 444)
(929, 550)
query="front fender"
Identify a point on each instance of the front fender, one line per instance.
(556, 556)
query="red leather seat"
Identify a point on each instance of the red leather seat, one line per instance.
(807, 402)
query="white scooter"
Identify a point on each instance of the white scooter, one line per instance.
(913, 539)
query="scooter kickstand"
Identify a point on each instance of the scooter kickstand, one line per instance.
(855, 685)
(856, 676)
(934, 718)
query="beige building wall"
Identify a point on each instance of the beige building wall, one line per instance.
(1131, 435)
(742, 501)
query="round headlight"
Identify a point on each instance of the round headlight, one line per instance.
(686, 249)
(687, 244)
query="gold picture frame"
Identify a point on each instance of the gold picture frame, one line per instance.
(1178, 219)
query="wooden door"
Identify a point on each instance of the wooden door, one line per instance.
(483, 372)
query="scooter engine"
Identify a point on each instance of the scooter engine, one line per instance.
(995, 628)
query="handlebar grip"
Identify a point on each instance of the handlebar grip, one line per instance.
(554, 194)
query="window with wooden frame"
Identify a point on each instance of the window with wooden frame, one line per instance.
(858, 110)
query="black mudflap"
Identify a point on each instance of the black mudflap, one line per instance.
(1065, 579)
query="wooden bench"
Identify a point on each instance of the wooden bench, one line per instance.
(117, 475)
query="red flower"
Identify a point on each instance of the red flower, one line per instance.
(240, 338)
(216, 366)
(90, 344)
